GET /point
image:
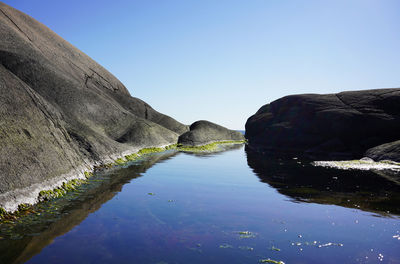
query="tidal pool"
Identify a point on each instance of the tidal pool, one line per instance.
(228, 207)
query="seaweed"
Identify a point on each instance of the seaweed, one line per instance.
(271, 261)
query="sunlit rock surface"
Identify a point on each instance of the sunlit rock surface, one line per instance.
(204, 132)
(61, 112)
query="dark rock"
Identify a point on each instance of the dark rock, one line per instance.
(334, 125)
(388, 151)
(61, 112)
(374, 191)
(204, 132)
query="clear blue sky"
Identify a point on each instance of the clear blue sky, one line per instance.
(221, 60)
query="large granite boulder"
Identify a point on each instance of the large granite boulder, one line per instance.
(204, 132)
(61, 112)
(334, 125)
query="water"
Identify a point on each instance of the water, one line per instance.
(229, 207)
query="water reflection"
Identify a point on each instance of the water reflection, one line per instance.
(20, 242)
(215, 210)
(377, 192)
(221, 149)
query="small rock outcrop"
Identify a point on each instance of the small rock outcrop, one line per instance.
(388, 151)
(204, 132)
(334, 125)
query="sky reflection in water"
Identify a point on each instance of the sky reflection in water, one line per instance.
(222, 208)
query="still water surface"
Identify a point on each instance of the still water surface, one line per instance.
(229, 207)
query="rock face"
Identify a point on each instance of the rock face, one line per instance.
(61, 112)
(204, 132)
(332, 125)
(388, 151)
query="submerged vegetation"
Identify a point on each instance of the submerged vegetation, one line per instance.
(113, 201)
(271, 261)
(246, 234)
(46, 195)
(8, 217)
(207, 148)
(63, 189)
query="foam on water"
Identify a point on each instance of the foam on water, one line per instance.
(362, 164)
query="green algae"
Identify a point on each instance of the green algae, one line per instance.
(173, 146)
(23, 207)
(178, 147)
(46, 195)
(389, 162)
(208, 147)
(275, 249)
(225, 246)
(120, 161)
(71, 185)
(131, 157)
(3, 213)
(246, 234)
(141, 152)
(150, 150)
(271, 261)
(12, 217)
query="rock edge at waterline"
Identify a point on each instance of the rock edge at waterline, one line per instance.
(62, 114)
(53, 189)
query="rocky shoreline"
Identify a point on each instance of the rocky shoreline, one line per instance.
(13, 200)
(62, 114)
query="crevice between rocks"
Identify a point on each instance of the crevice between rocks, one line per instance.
(15, 24)
(348, 105)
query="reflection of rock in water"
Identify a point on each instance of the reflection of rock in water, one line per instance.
(300, 181)
(390, 175)
(74, 212)
(221, 148)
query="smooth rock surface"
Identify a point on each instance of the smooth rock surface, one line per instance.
(204, 132)
(61, 112)
(388, 151)
(334, 125)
